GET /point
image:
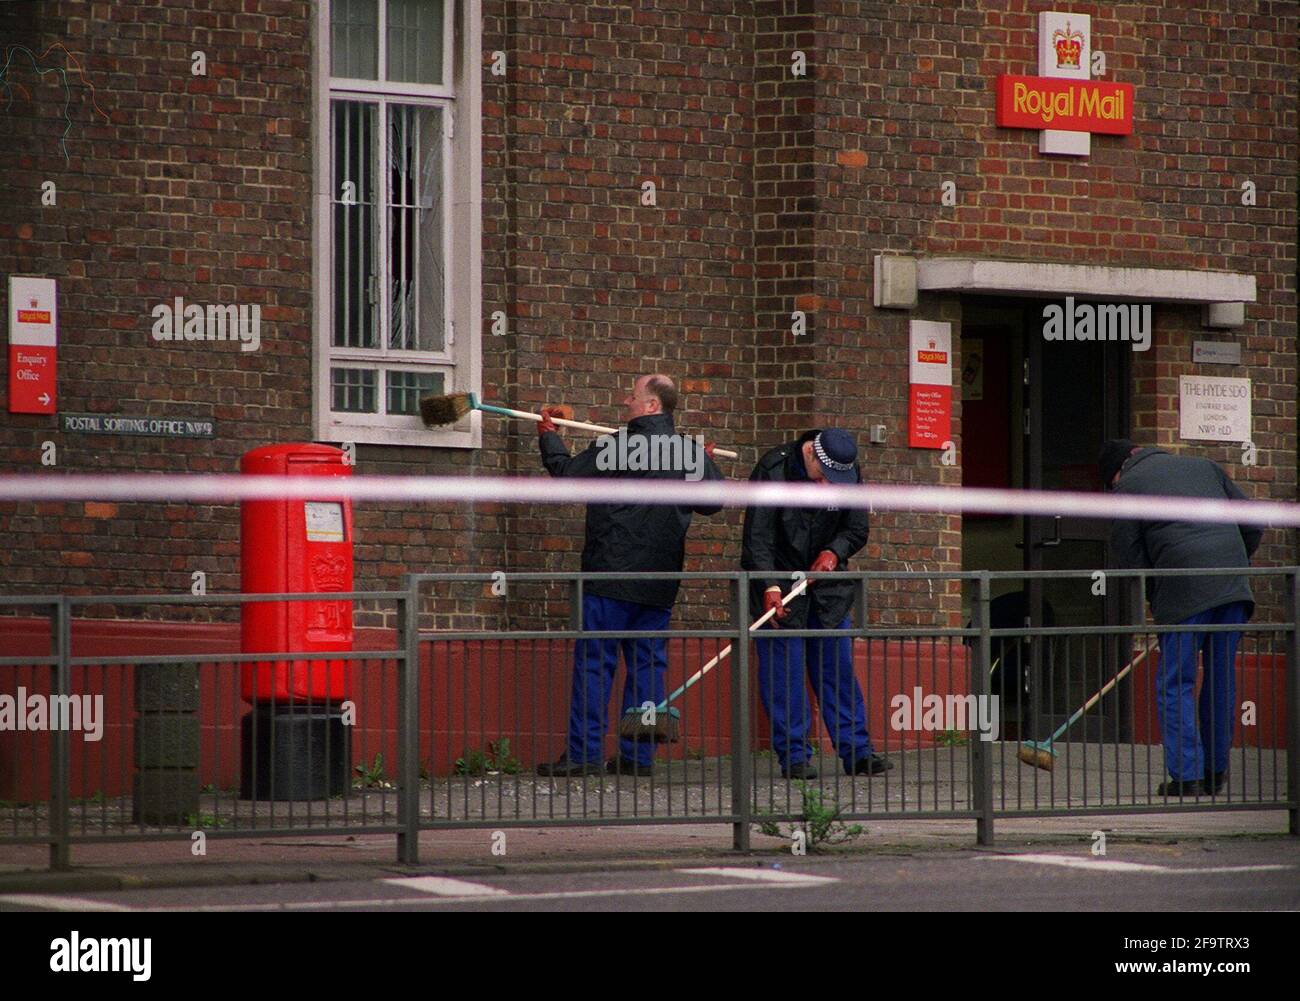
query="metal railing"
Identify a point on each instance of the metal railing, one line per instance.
(446, 728)
(172, 757)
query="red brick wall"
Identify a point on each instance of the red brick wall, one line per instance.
(785, 201)
(599, 287)
(200, 187)
(196, 188)
(905, 102)
(774, 192)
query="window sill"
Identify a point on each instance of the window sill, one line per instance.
(333, 429)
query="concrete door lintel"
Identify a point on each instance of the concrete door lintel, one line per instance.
(1044, 280)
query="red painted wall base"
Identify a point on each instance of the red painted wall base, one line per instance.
(472, 694)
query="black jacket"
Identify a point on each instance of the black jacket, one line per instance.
(1182, 544)
(789, 538)
(627, 538)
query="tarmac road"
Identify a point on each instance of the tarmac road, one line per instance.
(1261, 873)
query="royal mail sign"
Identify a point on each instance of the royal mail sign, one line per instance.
(929, 408)
(1039, 102)
(1063, 102)
(33, 345)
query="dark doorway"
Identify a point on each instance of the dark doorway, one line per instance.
(1034, 416)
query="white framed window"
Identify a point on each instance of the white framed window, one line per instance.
(396, 265)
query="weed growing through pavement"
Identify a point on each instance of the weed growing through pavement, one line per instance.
(818, 822)
(496, 760)
(372, 776)
(203, 821)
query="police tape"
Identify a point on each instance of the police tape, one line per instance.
(225, 488)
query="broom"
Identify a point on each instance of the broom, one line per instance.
(1039, 753)
(437, 411)
(666, 725)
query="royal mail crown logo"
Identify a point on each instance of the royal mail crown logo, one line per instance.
(1068, 45)
(35, 303)
(329, 573)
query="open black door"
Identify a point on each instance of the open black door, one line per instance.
(1075, 397)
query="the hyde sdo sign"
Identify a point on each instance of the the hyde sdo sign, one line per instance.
(1062, 101)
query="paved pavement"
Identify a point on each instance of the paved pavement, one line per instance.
(1085, 775)
(475, 852)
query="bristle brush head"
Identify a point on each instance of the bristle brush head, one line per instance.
(437, 411)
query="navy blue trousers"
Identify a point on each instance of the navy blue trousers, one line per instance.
(785, 666)
(595, 662)
(1187, 751)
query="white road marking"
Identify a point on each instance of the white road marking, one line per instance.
(444, 890)
(443, 887)
(317, 905)
(763, 875)
(54, 902)
(1108, 865)
(752, 879)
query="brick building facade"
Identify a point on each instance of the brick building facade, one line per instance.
(773, 194)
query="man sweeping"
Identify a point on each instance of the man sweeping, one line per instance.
(783, 540)
(626, 538)
(1195, 760)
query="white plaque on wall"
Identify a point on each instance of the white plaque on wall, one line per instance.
(1213, 409)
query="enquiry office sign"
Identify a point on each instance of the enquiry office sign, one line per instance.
(33, 345)
(929, 409)
(1213, 408)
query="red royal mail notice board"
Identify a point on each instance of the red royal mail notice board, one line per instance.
(929, 410)
(33, 345)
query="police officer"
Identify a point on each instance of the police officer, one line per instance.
(783, 540)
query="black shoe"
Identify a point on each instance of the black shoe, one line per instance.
(1215, 781)
(799, 770)
(873, 765)
(1192, 787)
(623, 766)
(564, 768)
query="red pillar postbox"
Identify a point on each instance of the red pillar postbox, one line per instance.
(293, 741)
(296, 546)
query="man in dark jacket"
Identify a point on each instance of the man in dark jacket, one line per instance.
(1195, 762)
(626, 538)
(783, 540)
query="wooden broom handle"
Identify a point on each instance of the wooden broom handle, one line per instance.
(725, 652)
(1119, 676)
(583, 426)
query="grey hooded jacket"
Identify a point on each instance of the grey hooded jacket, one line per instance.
(1183, 544)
